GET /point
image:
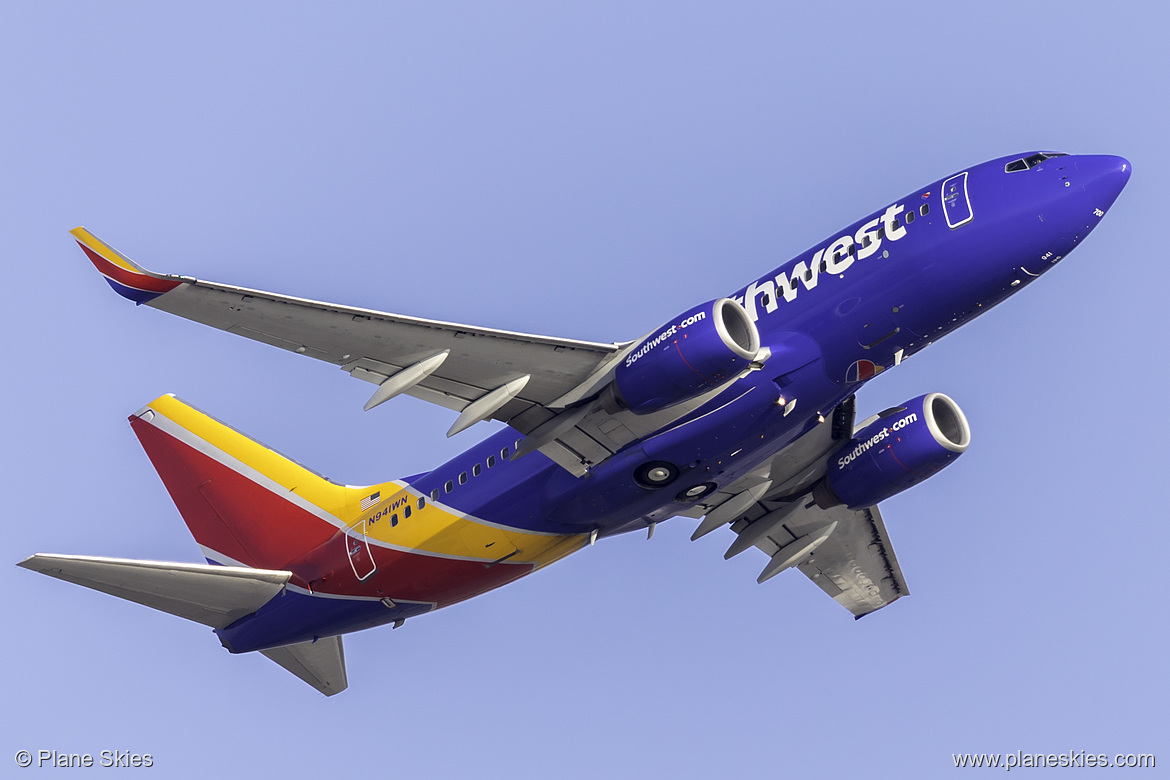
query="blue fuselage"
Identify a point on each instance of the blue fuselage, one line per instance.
(853, 305)
(833, 317)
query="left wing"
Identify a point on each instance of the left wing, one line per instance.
(480, 372)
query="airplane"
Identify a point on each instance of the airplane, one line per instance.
(739, 413)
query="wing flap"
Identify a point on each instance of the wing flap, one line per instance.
(855, 565)
(321, 663)
(481, 357)
(215, 596)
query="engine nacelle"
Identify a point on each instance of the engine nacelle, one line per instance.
(903, 447)
(693, 353)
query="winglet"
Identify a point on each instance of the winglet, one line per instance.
(128, 279)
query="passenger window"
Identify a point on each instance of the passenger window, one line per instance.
(476, 469)
(421, 503)
(504, 453)
(881, 233)
(896, 224)
(909, 217)
(463, 478)
(491, 461)
(868, 240)
(518, 443)
(448, 486)
(406, 512)
(435, 494)
(393, 519)
(925, 209)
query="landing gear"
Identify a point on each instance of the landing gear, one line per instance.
(655, 474)
(695, 492)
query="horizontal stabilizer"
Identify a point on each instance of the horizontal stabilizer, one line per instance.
(215, 596)
(321, 664)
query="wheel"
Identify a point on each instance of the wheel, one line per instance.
(695, 492)
(656, 474)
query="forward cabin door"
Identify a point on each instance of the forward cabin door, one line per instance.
(956, 202)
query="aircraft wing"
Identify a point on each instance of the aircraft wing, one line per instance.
(855, 564)
(847, 553)
(480, 372)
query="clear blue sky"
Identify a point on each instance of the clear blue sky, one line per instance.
(584, 170)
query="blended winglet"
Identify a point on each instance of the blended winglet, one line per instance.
(128, 279)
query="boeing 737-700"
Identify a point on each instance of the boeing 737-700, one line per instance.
(739, 413)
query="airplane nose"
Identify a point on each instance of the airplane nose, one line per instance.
(1104, 176)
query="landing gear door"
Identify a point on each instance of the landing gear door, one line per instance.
(357, 549)
(956, 203)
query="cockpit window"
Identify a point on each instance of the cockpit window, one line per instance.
(1031, 161)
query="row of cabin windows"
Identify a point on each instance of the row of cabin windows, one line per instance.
(476, 470)
(407, 511)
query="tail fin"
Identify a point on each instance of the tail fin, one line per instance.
(244, 503)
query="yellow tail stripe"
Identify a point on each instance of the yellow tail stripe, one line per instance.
(433, 529)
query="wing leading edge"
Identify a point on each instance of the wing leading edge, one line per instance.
(493, 373)
(544, 387)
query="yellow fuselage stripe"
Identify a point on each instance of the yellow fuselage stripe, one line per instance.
(434, 529)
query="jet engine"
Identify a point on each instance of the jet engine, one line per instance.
(693, 353)
(904, 446)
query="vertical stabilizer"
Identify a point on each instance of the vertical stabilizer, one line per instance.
(244, 503)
